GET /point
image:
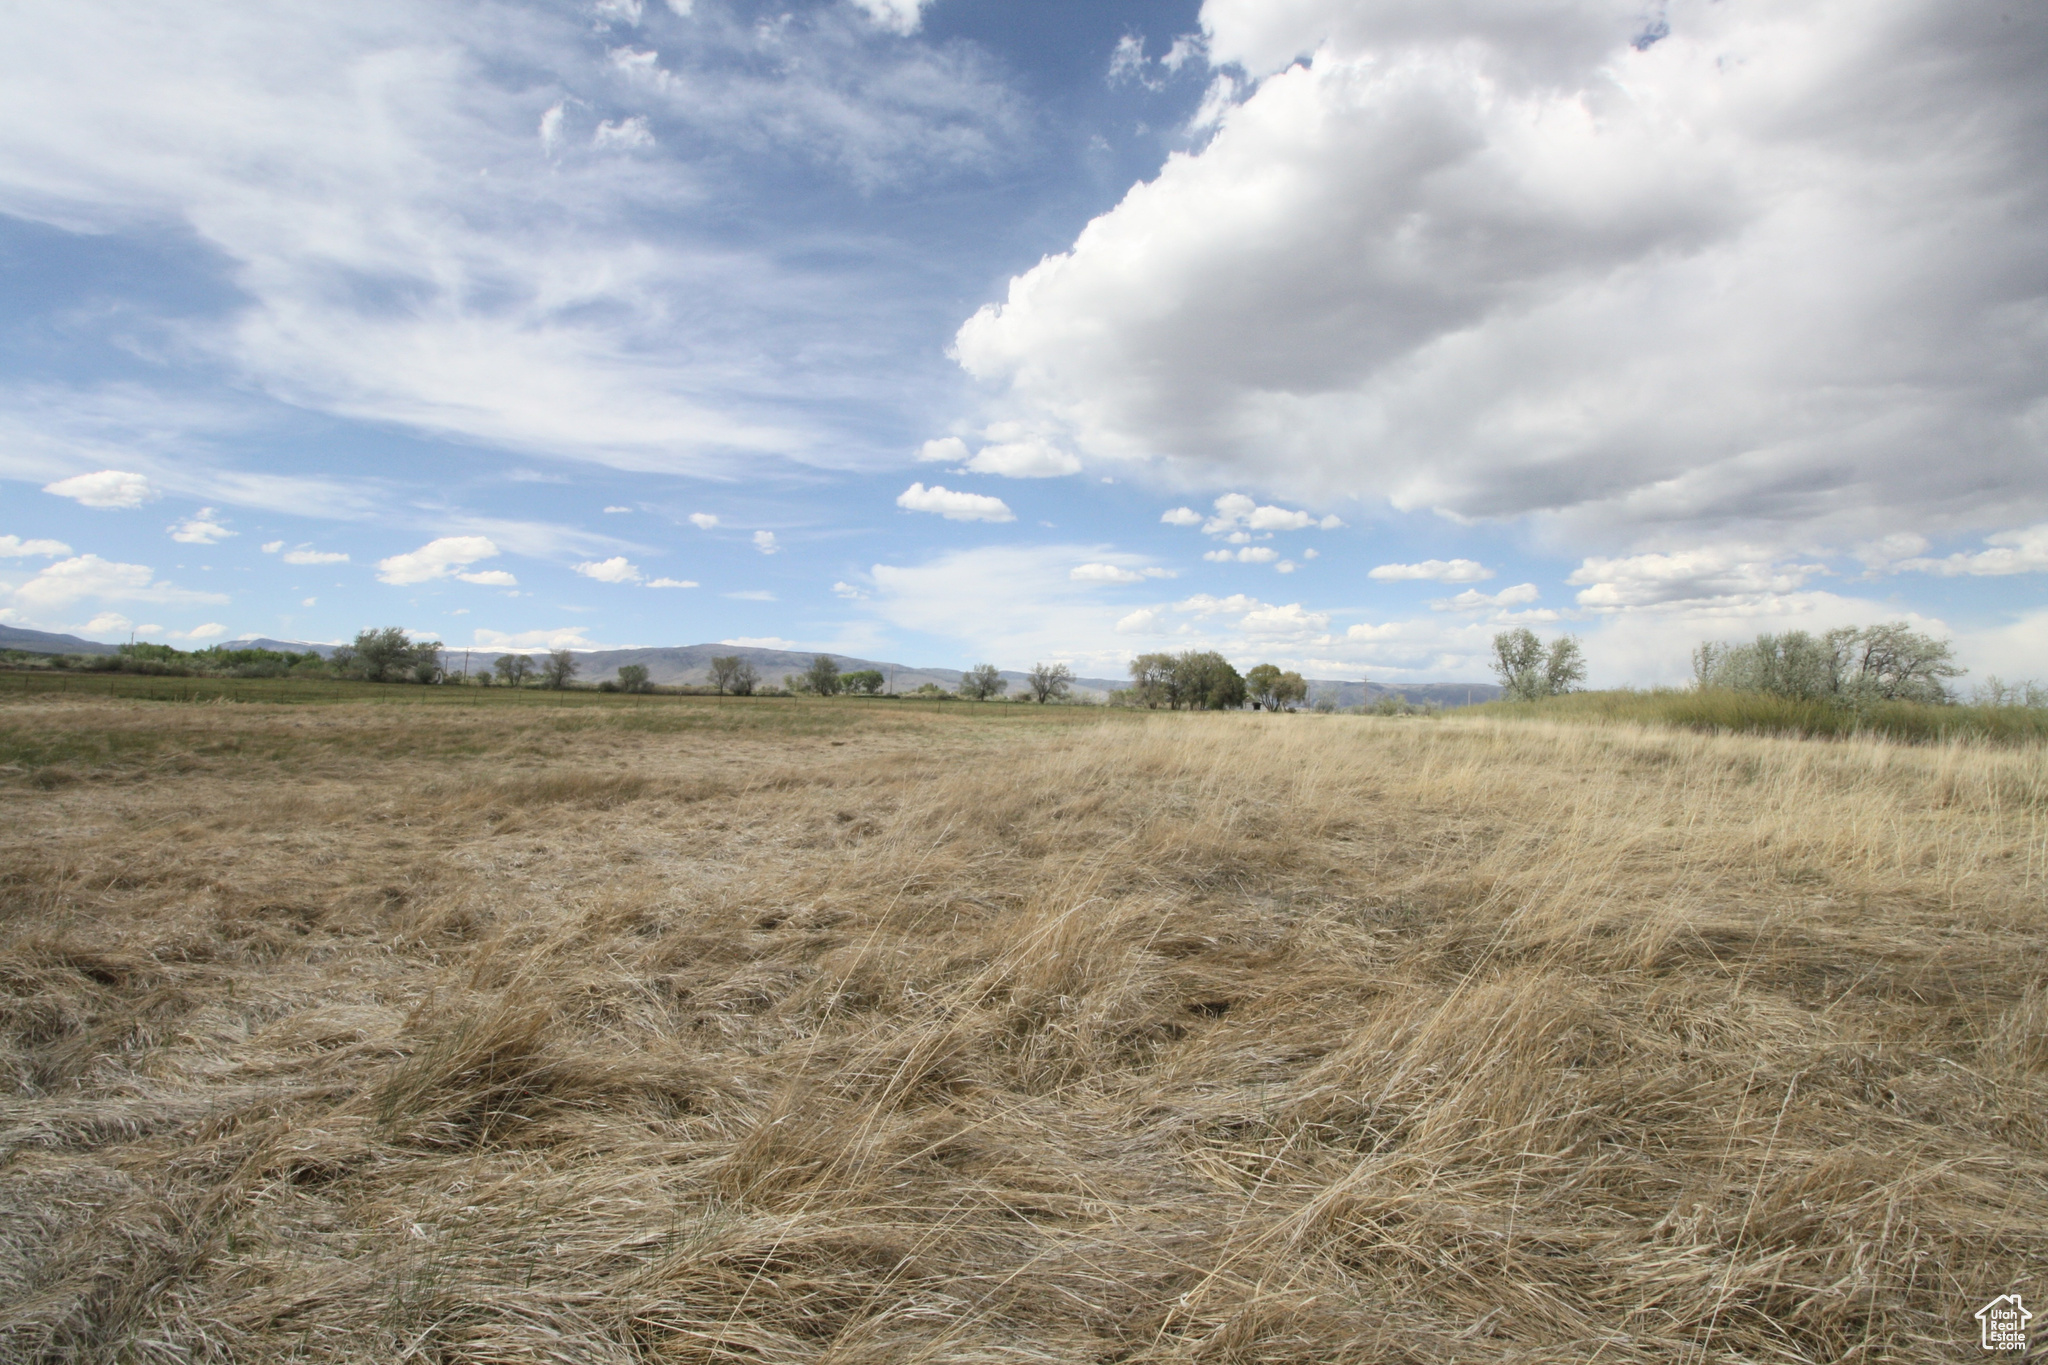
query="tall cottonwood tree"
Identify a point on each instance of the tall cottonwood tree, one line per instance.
(982, 682)
(560, 667)
(1050, 682)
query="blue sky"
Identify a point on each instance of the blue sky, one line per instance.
(1340, 333)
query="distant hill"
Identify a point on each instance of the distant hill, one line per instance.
(44, 642)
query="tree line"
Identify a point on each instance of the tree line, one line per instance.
(1849, 666)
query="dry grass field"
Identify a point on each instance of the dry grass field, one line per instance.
(780, 1032)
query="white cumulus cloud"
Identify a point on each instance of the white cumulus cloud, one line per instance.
(1512, 259)
(1474, 600)
(440, 558)
(1433, 570)
(671, 583)
(59, 586)
(305, 554)
(954, 506)
(764, 541)
(202, 528)
(943, 450)
(1289, 620)
(2011, 552)
(14, 547)
(106, 488)
(704, 521)
(1181, 516)
(1031, 458)
(898, 16)
(614, 570)
(1719, 577)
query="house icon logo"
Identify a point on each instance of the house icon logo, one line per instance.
(2004, 1321)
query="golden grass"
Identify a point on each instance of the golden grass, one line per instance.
(375, 1033)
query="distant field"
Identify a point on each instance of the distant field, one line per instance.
(540, 1027)
(25, 684)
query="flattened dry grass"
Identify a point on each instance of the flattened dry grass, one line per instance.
(1169, 1038)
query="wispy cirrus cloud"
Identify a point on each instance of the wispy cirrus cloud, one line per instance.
(541, 228)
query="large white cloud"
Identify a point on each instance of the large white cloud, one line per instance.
(45, 596)
(617, 569)
(954, 505)
(104, 488)
(2010, 552)
(201, 528)
(1770, 271)
(1433, 571)
(14, 547)
(1727, 577)
(445, 557)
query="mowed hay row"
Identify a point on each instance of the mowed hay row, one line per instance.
(1182, 1038)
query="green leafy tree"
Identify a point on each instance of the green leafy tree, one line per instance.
(731, 673)
(1527, 670)
(1275, 690)
(868, 681)
(823, 675)
(1888, 662)
(1898, 663)
(1564, 667)
(559, 667)
(386, 655)
(1050, 682)
(1259, 683)
(982, 682)
(1204, 680)
(633, 678)
(513, 669)
(1153, 681)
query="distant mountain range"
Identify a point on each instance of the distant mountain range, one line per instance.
(43, 642)
(691, 664)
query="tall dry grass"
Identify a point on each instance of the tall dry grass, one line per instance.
(1726, 711)
(1183, 1038)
